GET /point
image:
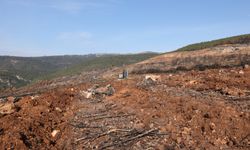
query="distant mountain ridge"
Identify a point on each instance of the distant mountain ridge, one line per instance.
(28, 68)
(19, 71)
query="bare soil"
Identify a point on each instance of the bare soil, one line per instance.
(195, 109)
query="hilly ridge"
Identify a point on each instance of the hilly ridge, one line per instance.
(240, 39)
(20, 71)
(220, 56)
(29, 68)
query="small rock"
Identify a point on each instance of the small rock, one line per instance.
(246, 66)
(241, 72)
(34, 97)
(212, 126)
(58, 109)
(11, 99)
(86, 94)
(54, 133)
(7, 108)
(193, 82)
(95, 147)
(153, 77)
(186, 130)
(178, 140)
(123, 103)
(139, 127)
(151, 125)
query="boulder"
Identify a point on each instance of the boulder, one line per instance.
(153, 77)
(108, 90)
(86, 94)
(96, 90)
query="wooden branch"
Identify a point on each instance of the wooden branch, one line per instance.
(94, 115)
(237, 98)
(104, 134)
(82, 125)
(116, 116)
(244, 138)
(146, 133)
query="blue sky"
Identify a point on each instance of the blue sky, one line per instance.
(58, 27)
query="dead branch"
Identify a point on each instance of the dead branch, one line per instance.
(146, 133)
(94, 115)
(82, 125)
(104, 134)
(115, 116)
(237, 98)
(244, 138)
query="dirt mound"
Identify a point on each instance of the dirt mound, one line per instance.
(31, 126)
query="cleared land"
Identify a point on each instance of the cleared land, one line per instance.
(162, 105)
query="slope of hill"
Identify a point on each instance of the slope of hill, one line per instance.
(241, 39)
(214, 57)
(29, 68)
